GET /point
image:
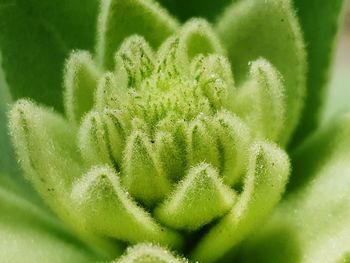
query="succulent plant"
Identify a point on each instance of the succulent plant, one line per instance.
(174, 137)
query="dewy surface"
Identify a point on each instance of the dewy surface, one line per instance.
(159, 144)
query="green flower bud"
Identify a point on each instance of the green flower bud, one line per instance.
(160, 144)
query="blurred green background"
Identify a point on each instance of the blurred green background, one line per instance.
(338, 95)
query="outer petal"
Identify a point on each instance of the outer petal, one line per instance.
(260, 102)
(45, 146)
(197, 200)
(266, 178)
(80, 81)
(312, 224)
(252, 29)
(106, 208)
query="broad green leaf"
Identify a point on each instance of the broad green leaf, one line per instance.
(36, 37)
(149, 253)
(253, 29)
(8, 163)
(185, 9)
(265, 181)
(320, 22)
(121, 18)
(29, 234)
(312, 223)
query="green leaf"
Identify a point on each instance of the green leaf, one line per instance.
(29, 234)
(10, 171)
(252, 29)
(267, 175)
(122, 18)
(312, 223)
(148, 253)
(36, 37)
(320, 22)
(8, 163)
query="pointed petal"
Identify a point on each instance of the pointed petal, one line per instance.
(94, 143)
(142, 173)
(199, 37)
(202, 144)
(134, 62)
(197, 200)
(102, 137)
(214, 76)
(106, 208)
(106, 95)
(122, 18)
(261, 101)
(264, 184)
(234, 140)
(195, 37)
(172, 61)
(80, 81)
(170, 156)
